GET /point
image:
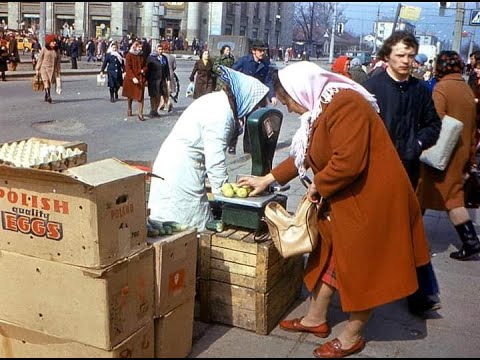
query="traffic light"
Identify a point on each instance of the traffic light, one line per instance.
(340, 28)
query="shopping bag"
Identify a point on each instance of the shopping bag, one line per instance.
(190, 89)
(101, 80)
(37, 83)
(58, 85)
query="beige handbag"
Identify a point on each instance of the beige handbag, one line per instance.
(293, 234)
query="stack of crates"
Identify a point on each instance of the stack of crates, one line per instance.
(77, 274)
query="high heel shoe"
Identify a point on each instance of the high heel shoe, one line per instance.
(141, 117)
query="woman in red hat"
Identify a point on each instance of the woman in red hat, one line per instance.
(48, 65)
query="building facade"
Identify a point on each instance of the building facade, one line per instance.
(271, 22)
(384, 28)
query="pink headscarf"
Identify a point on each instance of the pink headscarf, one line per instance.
(310, 86)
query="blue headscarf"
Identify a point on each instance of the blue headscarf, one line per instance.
(247, 90)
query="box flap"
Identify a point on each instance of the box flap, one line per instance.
(103, 171)
(30, 173)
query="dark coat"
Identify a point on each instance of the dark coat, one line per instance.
(74, 49)
(261, 71)
(115, 70)
(376, 228)
(204, 79)
(135, 67)
(13, 50)
(3, 60)
(157, 75)
(409, 114)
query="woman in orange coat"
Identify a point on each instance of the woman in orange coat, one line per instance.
(443, 190)
(373, 238)
(134, 84)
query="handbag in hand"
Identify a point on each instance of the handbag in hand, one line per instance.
(37, 83)
(293, 234)
(438, 155)
(471, 189)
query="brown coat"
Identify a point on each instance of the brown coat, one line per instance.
(135, 67)
(376, 229)
(49, 65)
(443, 190)
(205, 79)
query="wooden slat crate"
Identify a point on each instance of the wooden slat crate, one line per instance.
(244, 283)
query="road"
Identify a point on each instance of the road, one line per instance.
(84, 112)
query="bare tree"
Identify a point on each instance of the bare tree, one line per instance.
(312, 19)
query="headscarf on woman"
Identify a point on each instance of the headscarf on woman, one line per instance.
(311, 86)
(115, 53)
(339, 65)
(448, 62)
(247, 91)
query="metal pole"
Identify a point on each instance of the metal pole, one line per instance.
(43, 23)
(472, 37)
(376, 30)
(332, 38)
(457, 33)
(397, 15)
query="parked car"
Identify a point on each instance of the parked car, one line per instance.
(364, 56)
(24, 44)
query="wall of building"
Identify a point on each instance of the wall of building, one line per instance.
(271, 22)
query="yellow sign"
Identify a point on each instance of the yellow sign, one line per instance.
(175, 5)
(410, 12)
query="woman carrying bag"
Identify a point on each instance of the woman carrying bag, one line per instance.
(48, 65)
(115, 65)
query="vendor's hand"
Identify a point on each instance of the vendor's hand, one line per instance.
(37, 72)
(135, 81)
(274, 101)
(259, 183)
(312, 193)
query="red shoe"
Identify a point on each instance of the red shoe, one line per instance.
(322, 330)
(333, 349)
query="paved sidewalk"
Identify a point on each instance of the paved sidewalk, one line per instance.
(392, 332)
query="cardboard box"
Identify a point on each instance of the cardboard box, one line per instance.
(175, 270)
(91, 215)
(174, 332)
(245, 283)
(18, 342)
(100, 308)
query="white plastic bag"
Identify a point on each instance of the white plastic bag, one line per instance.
(101, 79)
(190, 89)
(58, 85)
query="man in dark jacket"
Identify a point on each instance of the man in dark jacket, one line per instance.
(255, 64)
(74, 53)
(407, 108)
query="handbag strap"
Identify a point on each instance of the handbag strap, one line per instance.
(305, 180)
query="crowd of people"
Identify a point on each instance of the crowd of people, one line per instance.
(361, 134)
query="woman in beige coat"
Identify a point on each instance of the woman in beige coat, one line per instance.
(48, 65)
(443, 190)
(373, 237)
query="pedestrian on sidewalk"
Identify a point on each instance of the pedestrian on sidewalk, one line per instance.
(115, 65)
(3, 61)
(135, 77)
(158, 76)
(443, 190)
(371, 228)
(407, 109)
(13, 51)
(196, 148)
(48, 65)
(74, 53)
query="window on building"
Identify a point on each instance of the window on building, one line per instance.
(243, 30)
(230, 8)
(266, 36)
(267, 11)
(228, 29)
(255, 33)
(256, 10)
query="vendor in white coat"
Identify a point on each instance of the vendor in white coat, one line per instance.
(196, 148)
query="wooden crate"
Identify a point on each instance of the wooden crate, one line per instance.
(244, 283)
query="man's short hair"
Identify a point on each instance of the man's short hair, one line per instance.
(398, 36)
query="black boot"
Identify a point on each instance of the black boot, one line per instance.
(116, 94)
(471, 244)
(111, 95)
(49, 98)
(46, 95)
